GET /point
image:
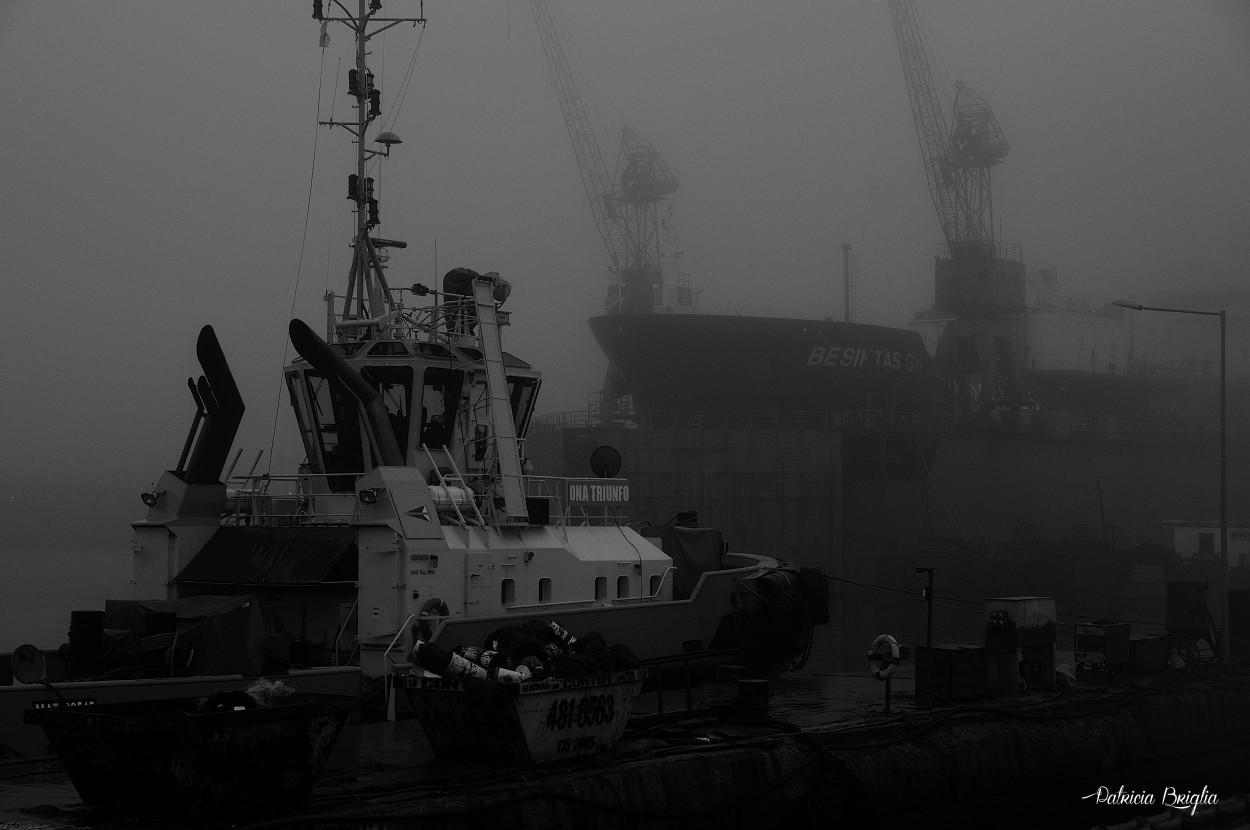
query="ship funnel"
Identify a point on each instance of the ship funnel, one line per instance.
(223, 412)
(315, 350)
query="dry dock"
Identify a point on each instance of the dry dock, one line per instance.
(826, 755)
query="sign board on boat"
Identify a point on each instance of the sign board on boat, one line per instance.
(598, 492)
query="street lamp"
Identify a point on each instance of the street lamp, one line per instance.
(1135, 306)
(928, 601)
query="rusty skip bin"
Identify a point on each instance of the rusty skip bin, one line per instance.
(538, 722)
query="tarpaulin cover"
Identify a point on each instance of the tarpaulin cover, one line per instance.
(695, 550)
(274, 556)
(223, 635)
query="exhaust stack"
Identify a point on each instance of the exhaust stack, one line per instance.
(315, 350)
(219, 412)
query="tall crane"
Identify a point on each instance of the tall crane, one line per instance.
(957, 161)
(979, 296)
(625, 212)
(976, 275)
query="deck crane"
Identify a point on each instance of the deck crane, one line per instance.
(979, 284)
(626, 212)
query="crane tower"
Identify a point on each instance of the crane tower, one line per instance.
(626, 211)
(979, 283)
(975, 273)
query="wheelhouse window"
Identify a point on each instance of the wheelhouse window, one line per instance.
(440, 400)
(394, 385)
(522, 393)
(334, 428)
(301, 415)
(388, 347)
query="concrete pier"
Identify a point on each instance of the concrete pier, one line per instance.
(826, 755)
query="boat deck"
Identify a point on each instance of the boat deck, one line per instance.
(826, 755)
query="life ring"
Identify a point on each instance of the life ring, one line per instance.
(435, 608)
(422, 629)
(880, 664)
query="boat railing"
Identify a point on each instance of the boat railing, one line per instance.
(570, 420)
(338, 638)
(545, 487)
(1020, 420)
(286, 500)
(582, 516)
(535, 606)
(668, 575)
(1000, 250)
(697, 419)
(565, 511)
(863, 419)
(680, 299)
(296, 501)
(451, 315)
(390, 661)
(715, 657)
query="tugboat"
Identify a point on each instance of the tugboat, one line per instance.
(415, 516)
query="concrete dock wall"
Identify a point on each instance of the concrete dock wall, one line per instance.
(979, 768)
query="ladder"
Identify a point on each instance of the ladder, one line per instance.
(503, 426)
(452, 479)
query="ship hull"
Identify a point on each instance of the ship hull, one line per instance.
(18, 738)
(710, 362)
(719, 363)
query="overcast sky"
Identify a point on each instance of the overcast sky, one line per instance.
(157, 162)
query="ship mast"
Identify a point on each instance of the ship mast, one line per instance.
(368, 303)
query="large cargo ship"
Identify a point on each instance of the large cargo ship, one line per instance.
(1075, 365)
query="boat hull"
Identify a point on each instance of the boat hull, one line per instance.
(19, 738)
(170, 756)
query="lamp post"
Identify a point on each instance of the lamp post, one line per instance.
(928, 601)
(1223, 557)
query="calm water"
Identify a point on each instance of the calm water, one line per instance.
(39, 589)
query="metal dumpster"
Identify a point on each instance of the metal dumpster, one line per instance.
(530, 723)
(163, 754)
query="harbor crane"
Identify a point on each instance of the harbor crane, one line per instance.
(975, 275)
(957, 160)
(626, 211)
(979, 283)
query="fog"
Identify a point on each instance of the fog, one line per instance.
(158, 164)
